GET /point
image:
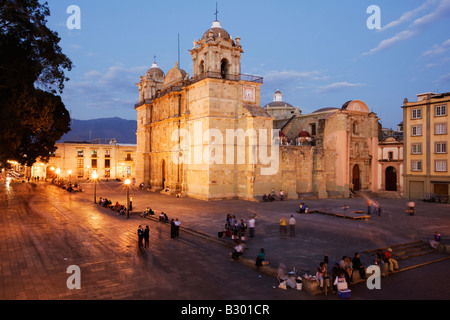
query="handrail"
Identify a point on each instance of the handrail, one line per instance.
(199, 77)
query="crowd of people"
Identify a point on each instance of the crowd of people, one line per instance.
(237, 229)
(344, 270)
(143, 235)
(272, 196)
(119, 208)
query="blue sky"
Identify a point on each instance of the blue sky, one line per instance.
(318, 53)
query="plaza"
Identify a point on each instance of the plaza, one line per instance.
(45, 229)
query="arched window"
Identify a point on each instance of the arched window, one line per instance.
(355, 127)
(202, 67)
(224, 68)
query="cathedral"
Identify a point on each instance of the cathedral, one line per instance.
(207, 136)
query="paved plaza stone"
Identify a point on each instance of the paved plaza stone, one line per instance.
(45, 229)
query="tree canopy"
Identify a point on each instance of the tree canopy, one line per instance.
(32, 74)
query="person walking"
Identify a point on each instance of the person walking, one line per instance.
(172, 229)
(292, 223)
(147, 237)
(369, 205)
(242, 230)
(251, 226)
(140, 233)
(283, 227)
(177, 224)
(378, 208)
(411, 206)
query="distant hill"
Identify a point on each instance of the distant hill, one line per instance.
(102, 131)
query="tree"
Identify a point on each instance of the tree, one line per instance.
(32, 66)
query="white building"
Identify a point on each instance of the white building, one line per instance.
(390, 165)
(76, 161)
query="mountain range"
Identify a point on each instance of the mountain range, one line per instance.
(102, 131)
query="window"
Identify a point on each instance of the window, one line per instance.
(416, 148)
(416, 165)
(440, 111)
(128, 158)
(440, 147)
(440, 165)
(390, 155)
(416, 130)
(80, 173)
(94, 153)
(94, 163)
(107, 173)
(107, 153)
(80, 153)
(224, 66)
(313, 129)
(440, 128)
(355, 127)
(107, 163)
(416, 113)
(80, 163)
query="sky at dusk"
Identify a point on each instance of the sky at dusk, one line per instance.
(318, 53)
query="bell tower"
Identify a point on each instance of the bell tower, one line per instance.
(216, 54)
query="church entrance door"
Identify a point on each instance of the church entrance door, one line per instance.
(391, 179)
(356, 180)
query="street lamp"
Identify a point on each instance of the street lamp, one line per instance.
(95, 177)
(70, 178)
(57, 171)
(127, 183)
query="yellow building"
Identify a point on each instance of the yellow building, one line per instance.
(425, 126)
(208, 137)
(78, 160)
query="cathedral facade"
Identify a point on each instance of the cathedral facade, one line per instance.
(206, 136)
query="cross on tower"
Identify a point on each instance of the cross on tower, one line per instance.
(216, 12)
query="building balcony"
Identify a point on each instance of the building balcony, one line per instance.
(205, 75)
(231, 77)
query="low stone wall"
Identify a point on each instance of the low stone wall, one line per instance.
(444, 248)
(271, 271)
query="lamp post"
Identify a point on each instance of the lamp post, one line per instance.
(70, 176)
(58, 171)
(94, 176)
(127, 183)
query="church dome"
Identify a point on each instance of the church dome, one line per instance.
(325, 109)
(274, 104)
(304, 134)
(174, 76)
(155, 73)
(217, 31)
(278, 101)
